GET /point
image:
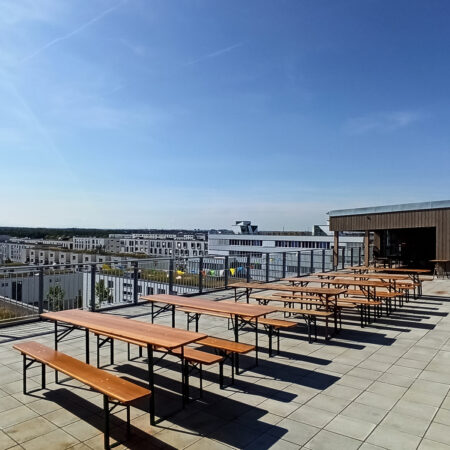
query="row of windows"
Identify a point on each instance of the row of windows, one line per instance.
(246, 242)
(302, 244)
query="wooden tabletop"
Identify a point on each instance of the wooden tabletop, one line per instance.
(380, 276)
(235, 309)
(363, 283)
(157, 335)
(399, 270)
(284, 287)
(302, 279)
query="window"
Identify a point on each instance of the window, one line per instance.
(149, 290)
(110, 284)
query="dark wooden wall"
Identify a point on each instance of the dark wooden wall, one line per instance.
(434, 218)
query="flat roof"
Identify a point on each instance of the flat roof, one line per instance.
(391, 208)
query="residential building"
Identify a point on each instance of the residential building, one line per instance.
(89, 243)
(246, 239)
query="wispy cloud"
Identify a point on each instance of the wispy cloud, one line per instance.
(215, 54)
(74, 32)
(382, 122)
(13, 12)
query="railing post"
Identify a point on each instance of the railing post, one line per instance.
(323, 260)
(41, 291)
(359, 256)
(351, 257)
(299, 264)
(343, 258)
(311, 269)
(227, 270)
(200, 275)
(135, 282)
(171, 266)
(93, 270)
(284, 266)
(267, 267)
(248, 268)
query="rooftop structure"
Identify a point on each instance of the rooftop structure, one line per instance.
(248, 240)
(414, 233)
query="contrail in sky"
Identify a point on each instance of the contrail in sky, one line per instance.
(72, 33)
(215, 54)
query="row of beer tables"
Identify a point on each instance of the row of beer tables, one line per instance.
(171, 338)
(155, 336)
(412, 274)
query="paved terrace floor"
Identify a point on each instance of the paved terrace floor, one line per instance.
(384, 386)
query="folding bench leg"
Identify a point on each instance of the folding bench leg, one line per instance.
(98, 350)
(43, 375)
(270, 331)
(308, 326)
(221, 372)
(128, 422)
(278, 341)
(315, 328)
(106, 433)
(186, 381)
(111, 352)
(24, 374)
(233, 367)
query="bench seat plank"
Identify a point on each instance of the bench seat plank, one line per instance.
(226, 345)
(104, 382)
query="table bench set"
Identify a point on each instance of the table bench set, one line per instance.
(153, 337)
(300, 300)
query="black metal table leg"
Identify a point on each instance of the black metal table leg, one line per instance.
(151, 383)
(106, 434)
(236, 339)
(87, 345)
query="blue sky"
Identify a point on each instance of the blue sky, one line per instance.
(143, 113)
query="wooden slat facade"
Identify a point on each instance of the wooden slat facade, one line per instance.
(431, 218)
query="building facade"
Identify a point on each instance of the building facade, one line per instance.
(246, 239)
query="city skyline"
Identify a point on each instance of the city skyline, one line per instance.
(137, 114)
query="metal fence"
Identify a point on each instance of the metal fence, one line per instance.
(27, 291)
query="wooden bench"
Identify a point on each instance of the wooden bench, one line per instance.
(309, 315)
(289, 299)
(386, 296)
(270, 325)
(227, 349)
(196, 358)
(115, 390)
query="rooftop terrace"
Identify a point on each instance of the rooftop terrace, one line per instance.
(383, 386)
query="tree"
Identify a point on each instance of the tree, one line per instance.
(102, 293)
(55, 298)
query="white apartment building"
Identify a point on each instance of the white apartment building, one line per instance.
(163, 245)
(247, 239)
(89, 243)
(52, 242)
(14, 252)
(52, 256)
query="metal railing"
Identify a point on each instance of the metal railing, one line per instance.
(27, 291)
